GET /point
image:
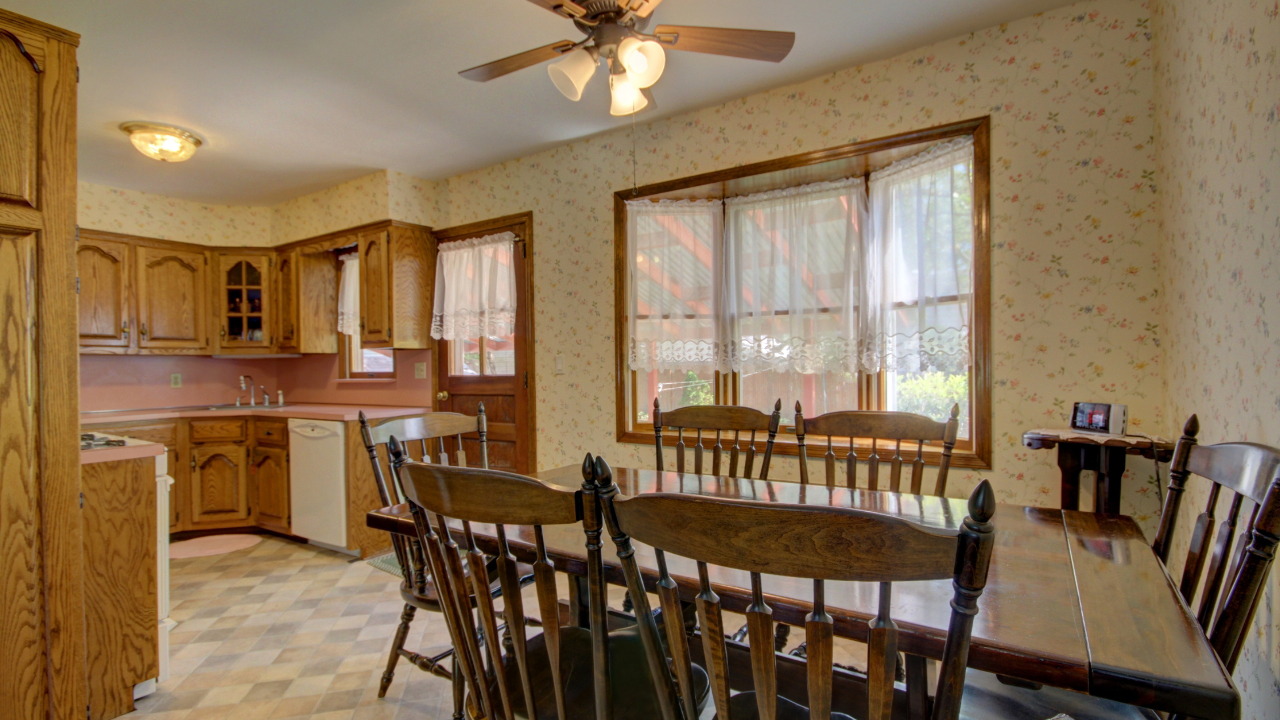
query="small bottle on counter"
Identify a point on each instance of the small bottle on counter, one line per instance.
(280, 397)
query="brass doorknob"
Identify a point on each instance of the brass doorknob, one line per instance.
(442, 395)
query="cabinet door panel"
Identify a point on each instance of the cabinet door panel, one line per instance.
(244, 301)
(19, 125)
(104, 270)
(286, 300)
(219, 484)
(375, 288)
(271, 476)
(172, 298)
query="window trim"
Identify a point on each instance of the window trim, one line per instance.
(975, 453)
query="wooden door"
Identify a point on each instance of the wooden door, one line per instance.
(42, 627)
(244, 302)
(271, 475)
(172, 292)
(375, 288)
(495, 371)
(219, 484)
(104, 269)
(286, 300)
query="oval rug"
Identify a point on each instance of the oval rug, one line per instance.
(211, 545)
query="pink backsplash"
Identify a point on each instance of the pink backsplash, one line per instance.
(112, 382)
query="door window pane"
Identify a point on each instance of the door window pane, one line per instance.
(500, 355)
(464, 357)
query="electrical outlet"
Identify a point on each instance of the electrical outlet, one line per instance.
(175, 380)
(420, 371)
(559, 364)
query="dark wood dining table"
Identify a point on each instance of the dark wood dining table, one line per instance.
(1075, 600)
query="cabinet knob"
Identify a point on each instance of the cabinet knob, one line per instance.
(124, 329)
(443, 395)
(144, 331)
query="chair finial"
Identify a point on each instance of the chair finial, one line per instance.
(777, 406)
(603, 473)
(799, 410)
(395, 448)
(955, 411)
(1192, 428)
(588, 471)
(363, 419)
(982, 503)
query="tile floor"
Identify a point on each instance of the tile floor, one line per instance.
(285, 630)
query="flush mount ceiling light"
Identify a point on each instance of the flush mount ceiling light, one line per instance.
(615, 31)
(162, 142)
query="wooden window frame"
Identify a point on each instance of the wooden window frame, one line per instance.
(973, 452)
(344, 360)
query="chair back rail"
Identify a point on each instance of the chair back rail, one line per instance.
(438, 494)
(879, 427)
(765, 538)
(1246, 478)
(732, 426)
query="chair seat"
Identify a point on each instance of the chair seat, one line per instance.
(986, 698)
(633, 696)
(743, 707)
(430, 600)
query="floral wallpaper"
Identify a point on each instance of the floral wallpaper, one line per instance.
(351, 203)
(1075, 286)
(414, 200)
(1217, 101)
(156, 216)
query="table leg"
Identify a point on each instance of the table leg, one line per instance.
(1110, 471)
(1069, 464)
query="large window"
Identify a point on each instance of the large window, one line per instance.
(852, 278)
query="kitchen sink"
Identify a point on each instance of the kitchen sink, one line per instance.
(245, 407)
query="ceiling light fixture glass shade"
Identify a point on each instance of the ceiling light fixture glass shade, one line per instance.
(571, 73)
(627, 98)
(643, 59)
(162, 142)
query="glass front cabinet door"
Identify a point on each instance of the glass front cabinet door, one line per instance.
(244, 299)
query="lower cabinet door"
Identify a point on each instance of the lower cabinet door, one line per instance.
(219, 484)
(271, 477)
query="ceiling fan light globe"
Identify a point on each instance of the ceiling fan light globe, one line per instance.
(627, 98)
(571, 73)
(644, 60)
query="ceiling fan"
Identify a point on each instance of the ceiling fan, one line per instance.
(614, 30)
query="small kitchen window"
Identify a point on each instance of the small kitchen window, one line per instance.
(356, 362)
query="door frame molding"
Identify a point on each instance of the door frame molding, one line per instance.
(526, 408)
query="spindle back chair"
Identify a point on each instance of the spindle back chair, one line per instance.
(722, 420)
(1233, 581)
(417, 589)
(879, 426)
(814, 542)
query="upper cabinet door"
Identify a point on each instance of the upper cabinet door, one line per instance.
(104, 270)
(375, 288)
(244, 301)
(286, 297)
(20, 118)
(172, 290)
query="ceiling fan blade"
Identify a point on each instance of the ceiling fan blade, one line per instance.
(563, 8)
(750, 44)
(642, 8)
(498, 68)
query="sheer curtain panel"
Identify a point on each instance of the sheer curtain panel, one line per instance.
(675, 289)
(349, 309)
(475, 292)
(922, 230)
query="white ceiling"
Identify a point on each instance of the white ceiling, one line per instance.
(297, 95)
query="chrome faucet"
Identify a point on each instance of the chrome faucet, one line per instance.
(251, 388)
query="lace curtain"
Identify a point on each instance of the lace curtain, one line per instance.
(675, 287)
(475, 292)
(349, 309)
(922, 230)
(794, 268)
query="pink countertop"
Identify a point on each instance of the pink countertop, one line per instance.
(133, 450)
(302, 411)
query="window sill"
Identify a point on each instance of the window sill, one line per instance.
(785, 445)
(367, 380)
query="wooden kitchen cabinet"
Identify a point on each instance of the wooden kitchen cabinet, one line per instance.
(219, 485)
(375, 288)
(244, 303)
(397, 274)
(172, 299)
(105, 270)
(285, 297)
(173, 435)
(270, 473)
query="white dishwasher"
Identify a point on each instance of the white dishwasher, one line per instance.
(318, 481)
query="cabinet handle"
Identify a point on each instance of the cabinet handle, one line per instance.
(224, 332)
(144, 331)
(124, 329)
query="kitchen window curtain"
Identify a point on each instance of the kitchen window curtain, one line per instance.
(674, 302)
(349, 309)
(922, 230)
(475, 292)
